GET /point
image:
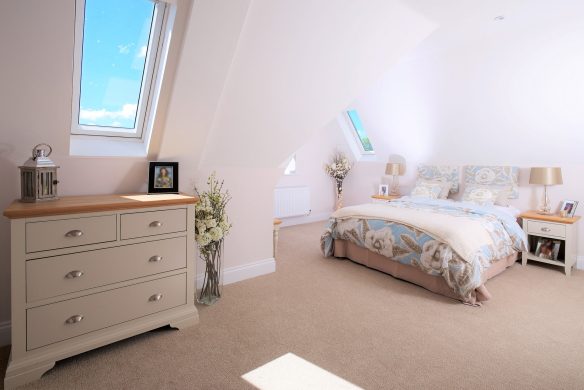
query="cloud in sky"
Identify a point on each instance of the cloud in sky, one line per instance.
(128, 111)
(142, 52)
(125, 49)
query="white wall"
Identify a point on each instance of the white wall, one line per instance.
(279, 72)
(310, 161)
(512, 96)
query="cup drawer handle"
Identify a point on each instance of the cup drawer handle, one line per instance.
(155, 298)
(155, 224)
(546, 229)
(74, 233)
(155, 259)
(74, 274)
(74, 319)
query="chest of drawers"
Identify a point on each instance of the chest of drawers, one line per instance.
(89, 271)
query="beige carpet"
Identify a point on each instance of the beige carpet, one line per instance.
(366, 327)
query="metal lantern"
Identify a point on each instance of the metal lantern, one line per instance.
(38, 176)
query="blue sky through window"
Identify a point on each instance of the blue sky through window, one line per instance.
(360, 130)
(115, 42)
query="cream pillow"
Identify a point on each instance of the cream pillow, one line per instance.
(427, 190)
(485, 195)
(444, 185)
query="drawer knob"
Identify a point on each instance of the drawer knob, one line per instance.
(74, 233)
(74, 319)
(545, 229)
(155, 224)
(155, 259)
(74, 274)
(155, 298)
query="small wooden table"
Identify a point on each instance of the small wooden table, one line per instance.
(384, 198)
(556, 228)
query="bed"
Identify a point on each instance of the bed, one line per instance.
(449, 247)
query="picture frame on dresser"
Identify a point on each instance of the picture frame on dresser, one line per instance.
(163, 177)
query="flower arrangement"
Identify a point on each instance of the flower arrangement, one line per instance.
(338, 169)
(211, 227)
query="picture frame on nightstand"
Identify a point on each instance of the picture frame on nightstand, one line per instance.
(383, 189)
(569, 207)
(547, 248)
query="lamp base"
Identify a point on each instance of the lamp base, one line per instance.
(544, 212)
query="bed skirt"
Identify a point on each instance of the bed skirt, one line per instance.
(411, 274)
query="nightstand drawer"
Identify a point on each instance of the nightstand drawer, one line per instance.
(65, 233)
(152, 223)
(53, 276)
(546, 229)
(63, 320)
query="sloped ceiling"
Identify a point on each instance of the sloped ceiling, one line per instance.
(280, 70)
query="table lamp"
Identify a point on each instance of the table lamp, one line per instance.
(548, 177)
(393, 169)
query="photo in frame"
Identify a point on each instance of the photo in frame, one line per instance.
(163, 177)
(548, 248)
(383, 189)
(569, 207)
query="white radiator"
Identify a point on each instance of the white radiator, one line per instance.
(291, 201)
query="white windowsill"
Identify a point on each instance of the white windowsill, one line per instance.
(91, 146)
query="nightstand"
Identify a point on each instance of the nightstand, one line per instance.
(384, 198)
(562, 231)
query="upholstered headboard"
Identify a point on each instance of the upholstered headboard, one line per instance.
(503, 177)
(441, 172)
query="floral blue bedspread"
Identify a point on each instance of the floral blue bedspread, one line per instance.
(413, 246)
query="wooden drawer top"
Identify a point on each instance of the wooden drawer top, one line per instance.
(548, 218)
(94, 203)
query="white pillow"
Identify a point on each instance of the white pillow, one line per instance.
(485, 195)
(445, 186)
(427, 190)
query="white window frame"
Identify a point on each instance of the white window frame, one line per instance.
(151, 79)
(356, 134)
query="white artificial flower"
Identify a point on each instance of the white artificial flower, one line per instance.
(224, 225)
(211, 223)
(216, 233)
(204, 239)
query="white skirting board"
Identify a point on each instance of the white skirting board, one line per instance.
(243, 272)
(4, 333)
(580, 262)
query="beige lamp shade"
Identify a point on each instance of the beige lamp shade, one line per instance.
(393, 169)
(545, 175)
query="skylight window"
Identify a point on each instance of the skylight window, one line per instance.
(360, 133)
(118, 50)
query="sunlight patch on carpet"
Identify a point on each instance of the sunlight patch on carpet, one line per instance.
(292, 372)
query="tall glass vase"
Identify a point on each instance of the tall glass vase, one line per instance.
(211, 287)
(339, 192)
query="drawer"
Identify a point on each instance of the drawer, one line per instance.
(60, 275)
(65, 233)
(546, 229)
(151, 223)
(63, 320)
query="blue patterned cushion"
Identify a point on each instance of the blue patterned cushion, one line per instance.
(495, 177)
(440, 172)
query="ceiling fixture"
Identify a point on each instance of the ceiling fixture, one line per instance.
(499, 18)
